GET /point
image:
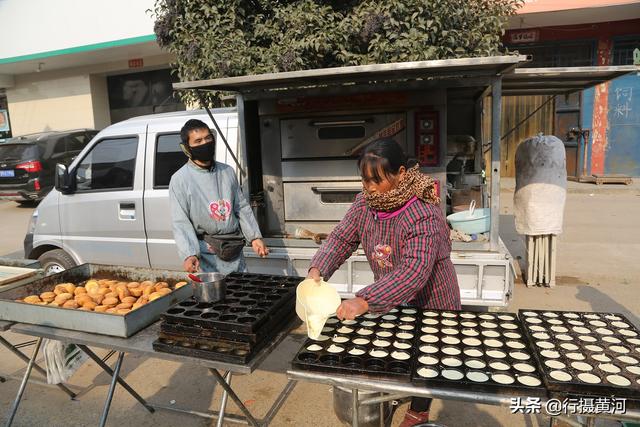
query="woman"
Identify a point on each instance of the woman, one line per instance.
(398, 221)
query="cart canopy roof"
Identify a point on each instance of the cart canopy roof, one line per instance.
(560, 80)
(469, 72)
(461, 69)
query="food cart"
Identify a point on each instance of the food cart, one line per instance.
(301, 132)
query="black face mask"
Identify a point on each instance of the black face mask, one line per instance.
(204, 152)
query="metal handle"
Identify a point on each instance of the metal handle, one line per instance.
(472, 207)
(336, 189)
(341, 122)
(127, 211)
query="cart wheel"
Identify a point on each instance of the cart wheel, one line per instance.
(56, 261)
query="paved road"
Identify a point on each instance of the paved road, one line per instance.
(14, 220)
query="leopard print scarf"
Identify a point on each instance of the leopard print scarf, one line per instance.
(414, 183)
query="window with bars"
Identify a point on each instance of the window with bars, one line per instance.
(622, 53)
(557, 54)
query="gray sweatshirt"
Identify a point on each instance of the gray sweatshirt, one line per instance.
(208, 201)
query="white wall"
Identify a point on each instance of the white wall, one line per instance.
(100, 102)
(35, 26)
(66, 99)
(53, 104)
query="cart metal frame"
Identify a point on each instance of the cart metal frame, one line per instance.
(141, 343)
(397, 390)
(15, 349)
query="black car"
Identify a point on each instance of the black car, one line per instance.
(28, 163)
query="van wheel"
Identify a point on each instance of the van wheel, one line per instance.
(56, 261)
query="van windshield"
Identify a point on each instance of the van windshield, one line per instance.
(23, 151)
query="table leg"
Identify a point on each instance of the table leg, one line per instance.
(234, 397)
(284, 395)
(552, 261)
(23, 384)
(109, 371)
(112, 389)
(530, 248)
(355, 410)
(225, 396)
(37, 367)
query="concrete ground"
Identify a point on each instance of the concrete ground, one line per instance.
(598, 270)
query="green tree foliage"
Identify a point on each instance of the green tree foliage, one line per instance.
(224, 38)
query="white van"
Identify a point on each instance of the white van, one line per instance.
(118, 211)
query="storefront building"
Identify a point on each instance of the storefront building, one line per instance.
(578, 33)
(79, 65)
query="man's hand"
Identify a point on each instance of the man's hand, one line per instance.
(260, 248)
(314, 274)
(352, 308)
(191, 264)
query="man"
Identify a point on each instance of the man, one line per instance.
(211, 217)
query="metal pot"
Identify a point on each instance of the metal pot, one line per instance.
(213, 287)
(375, 415)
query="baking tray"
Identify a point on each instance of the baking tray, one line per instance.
(480, 351)
(224, 335)
(250, 301)
(381, 332)
(210, 349)
(17, 272)
(211, 342)
(580, 343)
(87, 321)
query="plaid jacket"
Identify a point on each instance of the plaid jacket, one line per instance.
(410, 255)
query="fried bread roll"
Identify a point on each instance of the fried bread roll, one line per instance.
(110, 301)
(32, 299)
(48, 296)
(62, 298)
(129, 300)
(70, 304)
(83, 298)
(90, 305)
(160, 285)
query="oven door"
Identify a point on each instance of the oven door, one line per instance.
(332, 137)
(319, 201)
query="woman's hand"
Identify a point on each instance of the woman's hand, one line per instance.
(314, 274)
(352, 308)
(260, 248)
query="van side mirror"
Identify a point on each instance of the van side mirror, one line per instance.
(63, 179)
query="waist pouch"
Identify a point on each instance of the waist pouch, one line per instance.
(226, 246)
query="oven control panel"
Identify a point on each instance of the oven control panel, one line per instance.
(427, 143)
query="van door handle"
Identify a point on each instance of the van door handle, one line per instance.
(127, 211)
